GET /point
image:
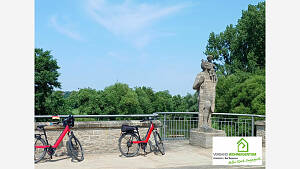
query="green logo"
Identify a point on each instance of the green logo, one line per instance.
(242, 145)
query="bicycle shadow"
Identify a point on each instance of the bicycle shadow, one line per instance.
(144, 154)
(55, 159)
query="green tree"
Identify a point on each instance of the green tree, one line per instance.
(240, 47)
(224, 90)
(72, 100)
(179, 105)
(56, 104)
(241, 93)
(67, 94)
(191, 102)
(163, 101)
(129, 103)
(145, 97)
(46, 79)
(219, 46)
(120, 99)
(249, 96)
(239, 54)
(89, 101)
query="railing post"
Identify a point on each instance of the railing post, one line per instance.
(164, 126)
(252, 130)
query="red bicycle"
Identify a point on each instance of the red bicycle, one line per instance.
(130, 140)
(73, 145)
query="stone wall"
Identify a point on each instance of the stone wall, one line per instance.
(95, 136)
(261, 131)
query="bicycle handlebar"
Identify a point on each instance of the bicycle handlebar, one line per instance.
(67, 121)
(149, 119)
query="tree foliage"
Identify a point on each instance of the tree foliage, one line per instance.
(239, 52)
(145, 97)
(87, 101)
(242, 93)
(114, 99)
(121, 99)
(56, 103)
(46, 79)
(241, 47)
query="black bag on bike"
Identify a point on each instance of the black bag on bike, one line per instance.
(126, 128)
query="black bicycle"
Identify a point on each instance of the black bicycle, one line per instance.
(130, 140)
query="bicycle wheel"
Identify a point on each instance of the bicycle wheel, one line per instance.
(159, 143)
(75, 148)
(126, 147)
(39, 153)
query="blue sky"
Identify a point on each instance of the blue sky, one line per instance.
(153, 43)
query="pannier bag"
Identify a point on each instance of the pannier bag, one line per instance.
(126, 128)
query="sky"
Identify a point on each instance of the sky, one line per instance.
(152, 43)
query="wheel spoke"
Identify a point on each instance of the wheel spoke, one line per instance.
(75, 148)
(127, 148)
(159, 143)
(39, 153)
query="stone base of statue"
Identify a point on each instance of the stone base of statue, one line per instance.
(203, 136)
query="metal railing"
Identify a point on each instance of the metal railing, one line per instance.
(177, 125)
(98, 116)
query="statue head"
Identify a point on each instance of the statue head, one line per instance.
(204, 65)
(210, 58)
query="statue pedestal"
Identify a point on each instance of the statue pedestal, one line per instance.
(203, 137)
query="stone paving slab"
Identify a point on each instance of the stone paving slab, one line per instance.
(179, 155)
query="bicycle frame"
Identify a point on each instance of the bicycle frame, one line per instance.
(62, 135)
(148, 136)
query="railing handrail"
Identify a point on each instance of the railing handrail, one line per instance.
(235, 114)
(99, 116)
(177, 112)
(229, 114)
(144, 115)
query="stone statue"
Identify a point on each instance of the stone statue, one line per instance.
(205, 84)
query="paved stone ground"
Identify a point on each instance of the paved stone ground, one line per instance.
(179, 155)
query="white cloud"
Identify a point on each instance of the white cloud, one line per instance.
(64, 29)
(130, 20)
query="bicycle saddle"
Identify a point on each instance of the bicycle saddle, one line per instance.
(41, 126)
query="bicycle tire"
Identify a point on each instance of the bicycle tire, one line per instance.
(132, 137)
(74, 147)
(159, 143)
(43, 153)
